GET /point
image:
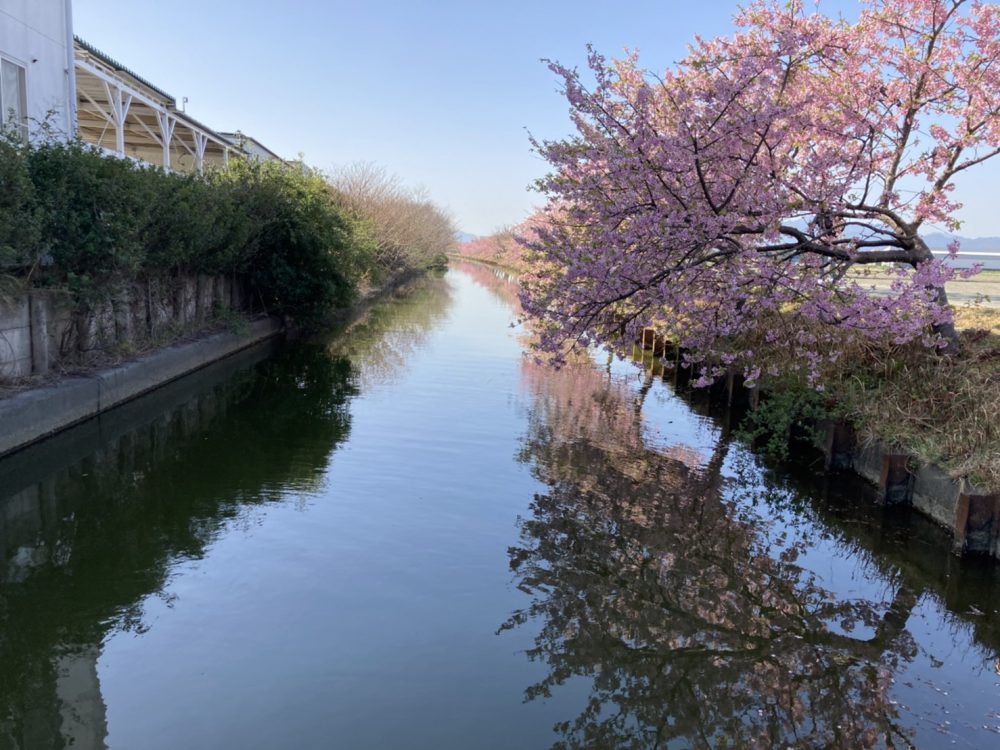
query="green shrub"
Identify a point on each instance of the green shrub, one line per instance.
(180, 224)
(19, 232)
(790, 406)
(305, 259)
(74, 218)
(92, 212)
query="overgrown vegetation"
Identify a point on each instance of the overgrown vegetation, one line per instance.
(792, 409)
(74, 219)
(941, 409)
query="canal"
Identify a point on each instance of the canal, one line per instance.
(409, 535)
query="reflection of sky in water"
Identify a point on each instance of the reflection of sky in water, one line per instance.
(371, 617)
(295, 567)
(670, 424)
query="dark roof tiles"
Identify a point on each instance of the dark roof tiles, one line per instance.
(111, 62)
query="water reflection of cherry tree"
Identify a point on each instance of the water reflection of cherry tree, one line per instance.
(498, 281)
(690, 617)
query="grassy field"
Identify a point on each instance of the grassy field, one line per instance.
(984, 287)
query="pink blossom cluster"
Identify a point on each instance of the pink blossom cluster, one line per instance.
(735, 192)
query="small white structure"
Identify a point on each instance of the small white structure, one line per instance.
(251, 147)
(36, 66)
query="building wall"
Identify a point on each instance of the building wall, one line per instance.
(256, 151)
(253, 149)
(33, 34)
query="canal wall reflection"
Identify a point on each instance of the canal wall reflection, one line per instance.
(382, 340)
(84, 546)
(92, 521)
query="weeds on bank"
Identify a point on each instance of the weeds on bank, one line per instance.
(792, 409)
(942, 408)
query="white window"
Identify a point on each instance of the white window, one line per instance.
(13, 98)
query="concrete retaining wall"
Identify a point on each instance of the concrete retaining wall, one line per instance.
(15, 337)
(31, 415)
(971, 514)
(42, 329)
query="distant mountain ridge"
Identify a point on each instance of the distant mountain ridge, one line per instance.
(940, 240)
(935, 240)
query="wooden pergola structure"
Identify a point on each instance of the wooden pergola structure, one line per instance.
(128, 116)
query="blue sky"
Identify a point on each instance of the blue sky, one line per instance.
(441, 93)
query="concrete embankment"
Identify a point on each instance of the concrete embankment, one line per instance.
(37, 413)
(31, 415)
(970, 514)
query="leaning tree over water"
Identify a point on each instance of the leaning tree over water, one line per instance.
(736, 191)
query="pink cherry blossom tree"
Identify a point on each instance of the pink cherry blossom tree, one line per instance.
(505, 247)
(734, 192)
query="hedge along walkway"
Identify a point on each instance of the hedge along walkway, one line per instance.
(74, 220)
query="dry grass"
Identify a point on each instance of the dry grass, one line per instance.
(970, 318)
(944, 410)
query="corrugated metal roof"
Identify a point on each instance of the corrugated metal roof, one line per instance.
(111, 62)
(181, 115)
(234, 139)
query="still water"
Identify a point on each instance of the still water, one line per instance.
(411, 536)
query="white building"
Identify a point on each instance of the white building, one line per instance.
(251, 147)
(55, 83)
(36, 65)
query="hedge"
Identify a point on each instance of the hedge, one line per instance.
(73, 218)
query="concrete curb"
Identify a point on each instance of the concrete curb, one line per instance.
(970, 513)
(32, 415)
